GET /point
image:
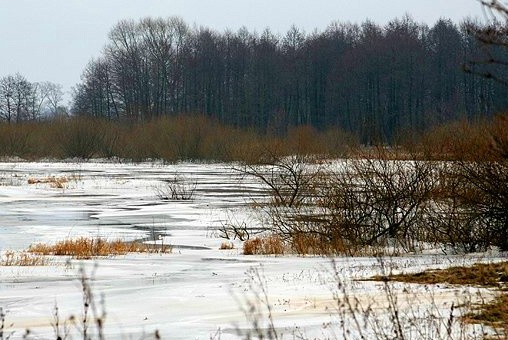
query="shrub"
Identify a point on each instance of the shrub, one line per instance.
(266, 245)
(179, 188)
(16, 140)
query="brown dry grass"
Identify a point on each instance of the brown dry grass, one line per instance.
(24, 259)
(266, 245)
(87, 248)
(494, 313)
(54, 182)
(480, 274)
(312, 244)
(226, 246)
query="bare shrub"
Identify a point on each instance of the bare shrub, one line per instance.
(82, 138)
(475, 194)
(452, 141)
(484, 198)
(375, 201)
(171, 138)
(362, 203)
(179, 188)
(288, 179)
(290, 183)
(385, 200)
(233, 228)
(15, 139)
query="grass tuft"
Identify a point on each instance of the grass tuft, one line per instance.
(267, 245)
(54, 182)
(87, 248)
(226, 246)
(24, 259)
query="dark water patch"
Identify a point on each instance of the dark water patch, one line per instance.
(150, 204)
(94, 204)
(114, 224)
(25, 219)
(129, 208)
(78, 195)
(78, 171)
(151, 229)
(181, 246)
(223, 259)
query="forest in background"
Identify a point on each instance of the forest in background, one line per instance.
(378, 82)
(374, 84)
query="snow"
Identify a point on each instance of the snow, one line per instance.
(196, 292)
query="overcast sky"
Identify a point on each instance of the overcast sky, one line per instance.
(54, 39)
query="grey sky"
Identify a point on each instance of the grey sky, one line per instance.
(54, 39)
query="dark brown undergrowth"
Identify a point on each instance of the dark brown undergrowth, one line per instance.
(184, 137)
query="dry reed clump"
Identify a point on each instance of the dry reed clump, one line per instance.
(23, 259)
(312, 244)
(54, 182)
(226, 246)
(266, 245)
(86, 248)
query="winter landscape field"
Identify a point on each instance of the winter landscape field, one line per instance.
(191, 169)
(197, 290)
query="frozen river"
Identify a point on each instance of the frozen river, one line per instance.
(194, 293)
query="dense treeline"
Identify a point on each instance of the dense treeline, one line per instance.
(375, 81)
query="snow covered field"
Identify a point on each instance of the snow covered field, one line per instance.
(197, 291)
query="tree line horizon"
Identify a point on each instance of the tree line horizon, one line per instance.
(375, 81)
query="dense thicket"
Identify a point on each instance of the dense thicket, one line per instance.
(376, 81)
(376, 202)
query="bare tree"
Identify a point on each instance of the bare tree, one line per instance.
(493, 39)
(7, 106)
(16, 98)
(53, 93)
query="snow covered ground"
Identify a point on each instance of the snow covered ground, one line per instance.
(196, 292)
